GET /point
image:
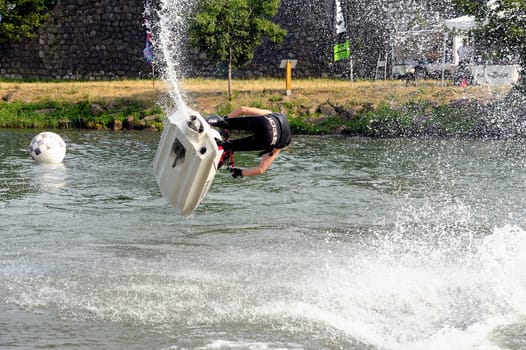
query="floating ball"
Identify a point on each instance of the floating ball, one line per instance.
(47, 147)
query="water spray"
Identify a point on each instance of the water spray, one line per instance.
(171, 33)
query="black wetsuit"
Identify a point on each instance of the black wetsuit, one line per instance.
(268, 132)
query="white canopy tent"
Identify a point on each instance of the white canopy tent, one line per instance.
(459, 26)
(463, 23)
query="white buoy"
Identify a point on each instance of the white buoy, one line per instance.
(47, 147)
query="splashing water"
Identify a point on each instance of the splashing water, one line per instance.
(401, 292)
(172, 30)
(375, 253)
(388, 292)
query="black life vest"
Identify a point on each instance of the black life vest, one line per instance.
(285, 136)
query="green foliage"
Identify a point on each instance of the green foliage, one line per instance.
(414, 119)
(301, 125)
(290, 108)
(230, 30)
(19, 18)
(475, 8)
(454, 121)
(225, 108)
(53, 114)
(385, 122)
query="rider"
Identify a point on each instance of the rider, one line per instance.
(270, 133)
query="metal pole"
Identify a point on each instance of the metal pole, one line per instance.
(444, 60)
(153, 74)
(385, 65)
(377, 61)
(393, 43)
(352, 69)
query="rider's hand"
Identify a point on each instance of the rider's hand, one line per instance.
(236, 172)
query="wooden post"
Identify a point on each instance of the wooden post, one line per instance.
(288, 83)
(288, 65)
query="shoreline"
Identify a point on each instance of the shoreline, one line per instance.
(317, 106)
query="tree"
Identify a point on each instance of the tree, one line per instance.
(502, 32)
(19, 18)
(230, 30)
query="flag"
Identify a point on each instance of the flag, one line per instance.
(340, 20)
(342, 51)
(148, 50)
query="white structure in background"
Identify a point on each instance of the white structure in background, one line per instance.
(483, 74)
(496, 74)
(460, 25)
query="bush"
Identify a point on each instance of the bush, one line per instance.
(52, 114)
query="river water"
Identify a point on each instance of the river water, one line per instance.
(345, 243)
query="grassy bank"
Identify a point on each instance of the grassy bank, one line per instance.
(315, 106)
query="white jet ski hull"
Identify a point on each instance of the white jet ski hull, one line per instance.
(186, 160)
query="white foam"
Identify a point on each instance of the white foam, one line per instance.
(221, 344)
(420, 299)
(503, 260)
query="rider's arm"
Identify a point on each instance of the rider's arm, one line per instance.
(263, 165)
(248, 111)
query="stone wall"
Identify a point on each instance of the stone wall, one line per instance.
(370, 27)
(82, 39)
(102, 39)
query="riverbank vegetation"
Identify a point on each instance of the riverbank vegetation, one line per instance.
(316, 106)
